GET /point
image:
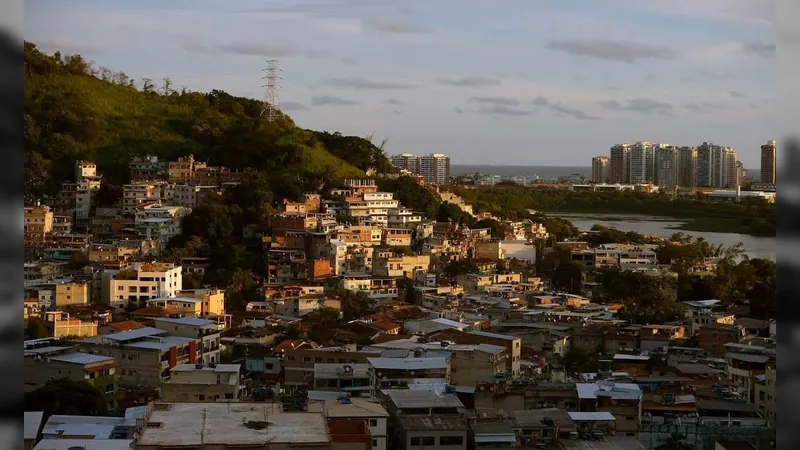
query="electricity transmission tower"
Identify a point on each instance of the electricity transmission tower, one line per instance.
(271, 107)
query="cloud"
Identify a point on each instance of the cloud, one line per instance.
(541, 101)
(278, 50)
(458, 110)
(736, 94)
(706, 107)
(713, 75)
(572, 112)
(324, 100)
(763, 49)
(389, 25)
(394, 101)
(363, 83)
(293, 106)
(507, 101)
(471, 82)
(348, 60)
(620, 51)
(503, 110)
(642, 105)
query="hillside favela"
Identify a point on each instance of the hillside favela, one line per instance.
(208, 270)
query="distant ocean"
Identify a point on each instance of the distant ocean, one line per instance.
(540, 171)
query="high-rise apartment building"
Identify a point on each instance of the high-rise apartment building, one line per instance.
(716, 166)
(435, 168)
(729, 173)
(601, 169)
(406, 161)
(618, 163)
(641, 163)
(667, 166)
(768, 162)
(687, 161)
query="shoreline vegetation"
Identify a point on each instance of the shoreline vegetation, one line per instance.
(753, 217)
(699, 224)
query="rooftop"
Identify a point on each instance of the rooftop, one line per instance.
(504, 337)
(32, 424)
(193, 321)
(425, 423)
(628, 391)
(81, 358)
(412, 399)
(409, 363)
(84, 444)
(198, 424)
(602, 416)
(219, 368)
(356, 407)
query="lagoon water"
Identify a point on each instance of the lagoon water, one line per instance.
(755, 246)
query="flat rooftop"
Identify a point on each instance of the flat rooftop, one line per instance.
(196, 424)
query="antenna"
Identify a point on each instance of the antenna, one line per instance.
(271, 106)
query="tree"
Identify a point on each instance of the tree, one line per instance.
(568, 276)
(645, 298)
(676, 442)
(64, 396)
(496, 229)
(323, 330)
(354, 304)
(460, 267)
(35, 329)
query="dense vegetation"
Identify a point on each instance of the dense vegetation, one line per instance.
(737, 280)
(76, 111)
(751, 216)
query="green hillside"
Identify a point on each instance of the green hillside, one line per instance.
(74, 110)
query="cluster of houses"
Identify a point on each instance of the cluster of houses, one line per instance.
(474, 360)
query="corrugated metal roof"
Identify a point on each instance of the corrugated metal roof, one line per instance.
(162, 344)
(612, 390)
(413, 399)
(489, 348)
(81, 358)
(85, 444)
(33, 423)
(424, 423)
(125, 336)
(591, 416)
(495, 437)
(186, 321)
(492, 335)
(748, 357)
(408, 363)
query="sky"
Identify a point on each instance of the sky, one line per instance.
(503, 82)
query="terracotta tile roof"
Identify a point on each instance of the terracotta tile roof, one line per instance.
(126, 325)
(151, 311)
(385, 325)
(290, 344)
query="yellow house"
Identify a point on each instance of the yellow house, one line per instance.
(193, 303)
(71, 294)
(202, 383)
(38, 222)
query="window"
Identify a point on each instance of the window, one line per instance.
(420, 441)
(373, 422)
(201, 397)
(306, 359)
(451, 440)
(374, 443)
(630, 417)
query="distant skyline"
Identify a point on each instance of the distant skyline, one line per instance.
(511, 82)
